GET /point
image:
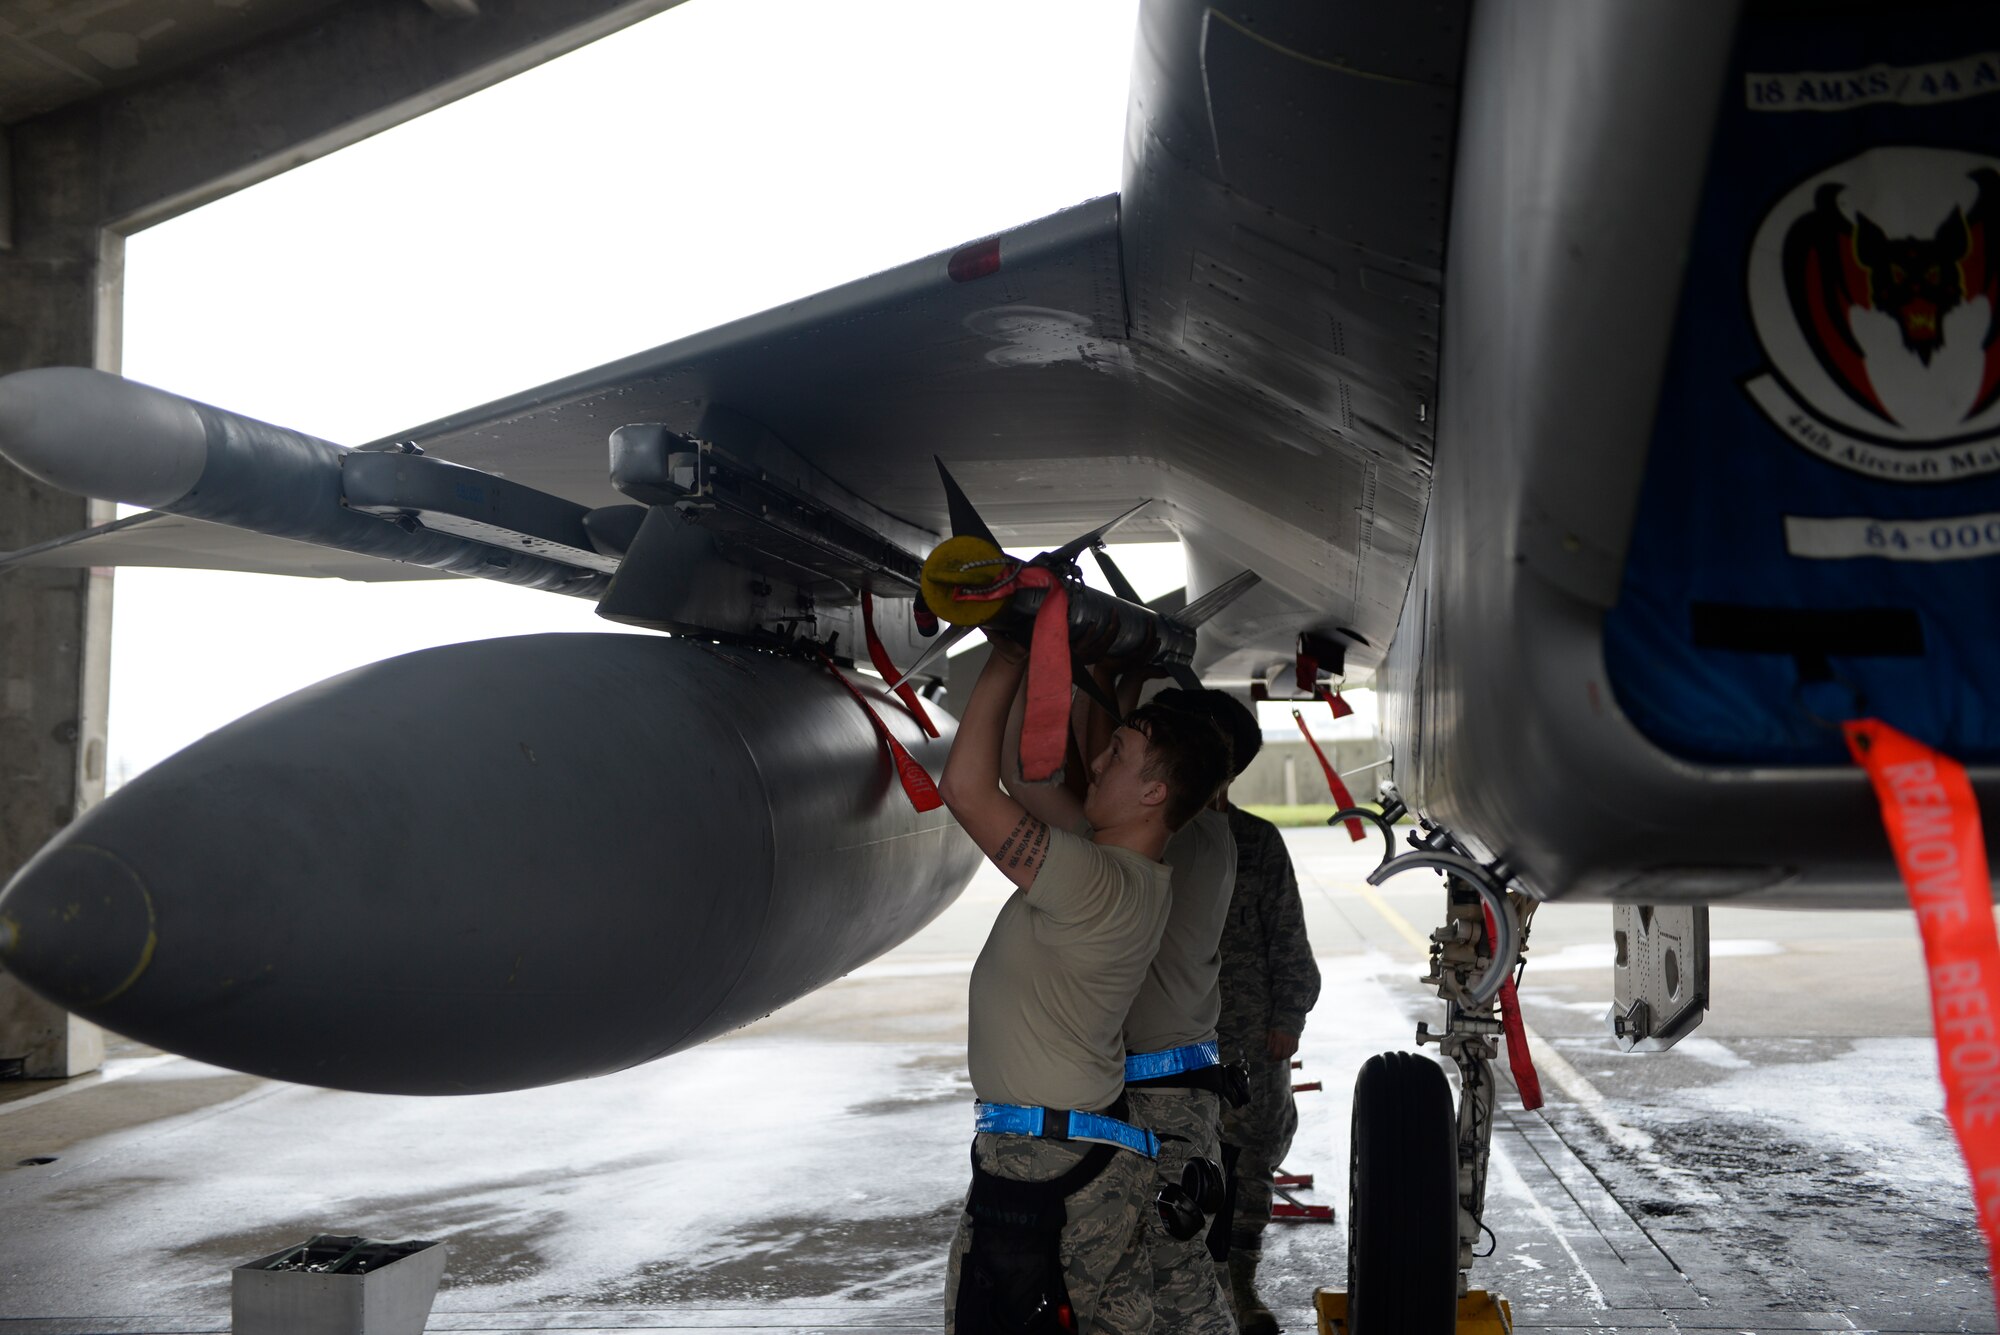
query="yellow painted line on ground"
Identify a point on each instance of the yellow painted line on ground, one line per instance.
(1418, 941)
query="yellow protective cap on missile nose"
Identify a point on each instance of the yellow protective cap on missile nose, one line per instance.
(960, 561)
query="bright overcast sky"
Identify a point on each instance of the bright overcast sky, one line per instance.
(714, 161)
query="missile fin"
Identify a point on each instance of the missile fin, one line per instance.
(942, 644)
(964, 518)
(1217, 598)
(1116, 577)
(1072, 549)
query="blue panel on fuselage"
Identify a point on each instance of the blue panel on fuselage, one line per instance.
(1819, 529)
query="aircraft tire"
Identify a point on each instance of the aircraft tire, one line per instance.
(1402, 1205)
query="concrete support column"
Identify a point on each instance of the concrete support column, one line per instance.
(57, 281)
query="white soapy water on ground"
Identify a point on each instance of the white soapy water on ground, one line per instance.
(625, 1190)
(1710, 1052)
(1857, 1103)
(1504, 1182)
(1602, 955)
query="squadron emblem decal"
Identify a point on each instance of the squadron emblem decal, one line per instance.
(1874, 288)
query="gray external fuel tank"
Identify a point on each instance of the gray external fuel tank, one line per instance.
(491, 866)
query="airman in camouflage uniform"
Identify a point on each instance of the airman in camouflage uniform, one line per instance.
(1175, 1010)
(1187, 1298)
(1269, 982)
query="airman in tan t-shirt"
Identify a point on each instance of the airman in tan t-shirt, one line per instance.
(1052, 987)
(1051, 990)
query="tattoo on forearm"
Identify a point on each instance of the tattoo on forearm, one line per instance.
(1024, 845)
(1020, 827)
(1032, 855)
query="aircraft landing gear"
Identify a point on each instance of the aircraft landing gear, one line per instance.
(1417, 1188)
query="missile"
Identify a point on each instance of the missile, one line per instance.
(1115, 625)
(491, 866)
(113, 439)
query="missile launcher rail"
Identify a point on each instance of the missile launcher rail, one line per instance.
(759, 517)
(407, 487)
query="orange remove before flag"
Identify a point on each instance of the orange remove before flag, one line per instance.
(1932, 820)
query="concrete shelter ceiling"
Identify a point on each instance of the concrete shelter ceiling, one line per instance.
(54, 52)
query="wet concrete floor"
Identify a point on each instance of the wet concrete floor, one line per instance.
(1787, 1169)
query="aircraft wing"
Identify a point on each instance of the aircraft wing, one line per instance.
(1057, 396)
(1011, 348)
(869, 379)
(1064, 370)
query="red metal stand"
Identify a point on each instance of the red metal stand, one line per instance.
(1292, 1210)
(1289, 1209)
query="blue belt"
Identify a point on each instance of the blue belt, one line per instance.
(1153, 1065)
(1015, 1119)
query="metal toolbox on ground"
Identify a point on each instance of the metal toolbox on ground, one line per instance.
(338, 1285)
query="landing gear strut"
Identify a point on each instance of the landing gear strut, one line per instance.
(1418, 1182)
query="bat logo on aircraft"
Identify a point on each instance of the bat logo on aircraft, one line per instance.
(1875, 293)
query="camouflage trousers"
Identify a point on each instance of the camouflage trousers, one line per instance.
(1103, 1246)
(1262, 1129)
(1187, 1297)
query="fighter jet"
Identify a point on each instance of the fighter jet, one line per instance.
(1615, 387)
